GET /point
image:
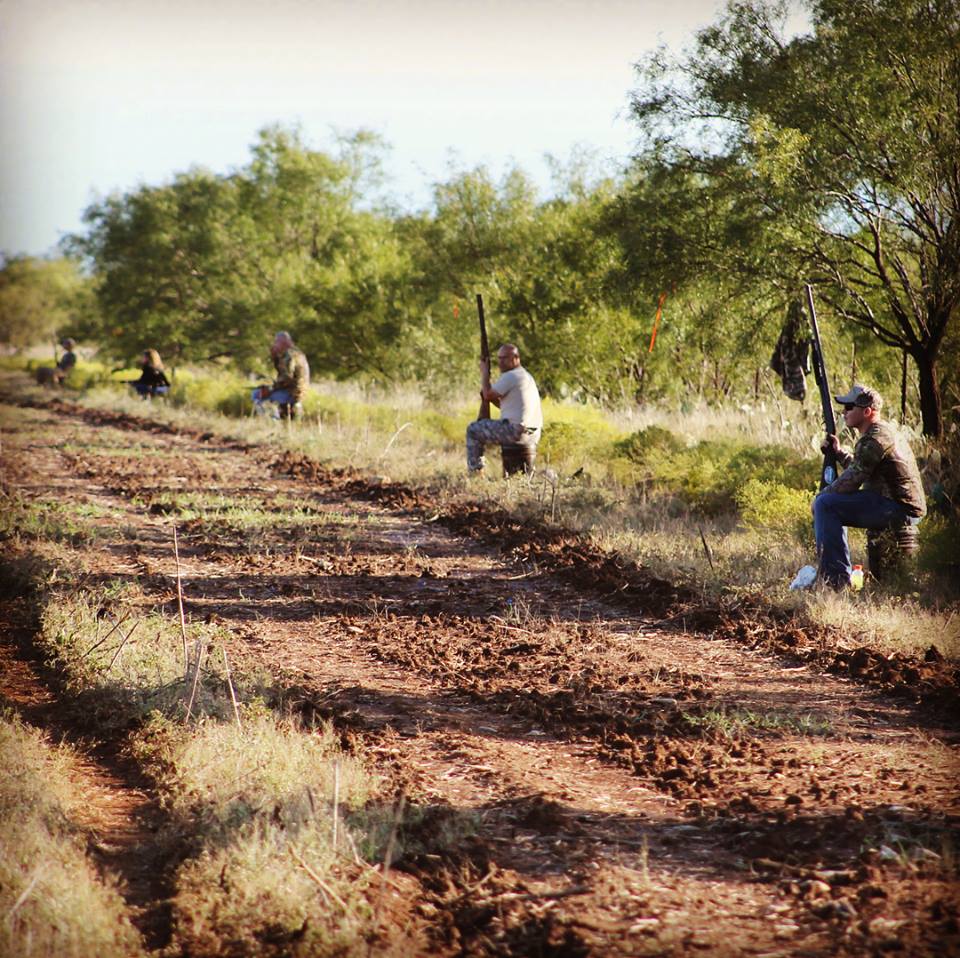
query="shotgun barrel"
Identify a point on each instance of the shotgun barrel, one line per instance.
(484, 354)
(829, 471)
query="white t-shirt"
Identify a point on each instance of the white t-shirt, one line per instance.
(520, 400)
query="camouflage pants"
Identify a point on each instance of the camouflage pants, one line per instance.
(483, 432)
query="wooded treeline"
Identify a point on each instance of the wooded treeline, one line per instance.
(763, 162)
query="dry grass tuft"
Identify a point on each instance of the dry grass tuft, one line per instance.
(51, 897)
(281, 822)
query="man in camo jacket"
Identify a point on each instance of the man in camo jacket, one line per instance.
(293, 377)
(518, 398)
(879, 487)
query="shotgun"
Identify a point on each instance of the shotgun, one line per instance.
(484, 354)
(829, 471)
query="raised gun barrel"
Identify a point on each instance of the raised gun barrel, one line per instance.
(484, 354)
(829, 471)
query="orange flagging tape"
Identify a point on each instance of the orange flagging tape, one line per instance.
(656, 321)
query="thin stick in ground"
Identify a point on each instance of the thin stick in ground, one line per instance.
(321, 884)
(196, 679)
(336, 802)
(100, 642)
(233, 694)
(126, 639)
(706, 547)
(183, 621)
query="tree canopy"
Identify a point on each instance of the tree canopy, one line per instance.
(42, 299)
(766, 160)
(832, 157)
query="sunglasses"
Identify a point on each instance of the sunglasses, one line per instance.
(850, 406)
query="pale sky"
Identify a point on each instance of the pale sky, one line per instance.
(101, 95)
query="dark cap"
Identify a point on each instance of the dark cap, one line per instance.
(862, 396)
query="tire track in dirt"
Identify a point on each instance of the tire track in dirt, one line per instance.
(349, 627)
(927, 681)
(119, 816)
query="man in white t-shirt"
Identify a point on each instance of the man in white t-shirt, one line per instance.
(518, 398)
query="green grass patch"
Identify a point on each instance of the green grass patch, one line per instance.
(730, 722)
(282, 522)
(47, 520)
(239, 512)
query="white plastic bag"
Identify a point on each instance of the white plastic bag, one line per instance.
(805, 578)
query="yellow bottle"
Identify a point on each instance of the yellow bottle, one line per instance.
(856, 578)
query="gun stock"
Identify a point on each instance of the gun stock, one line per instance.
(484, 354)
(829, 471)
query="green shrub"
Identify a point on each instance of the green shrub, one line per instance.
(17, 362)
(223, 393)
(714, 471)
(435, 427)
(773, 464)
(939, 544)
(650, 444)
(61, 522)
(560, 442)
(708, 475)
(87, 375)
(772, 507)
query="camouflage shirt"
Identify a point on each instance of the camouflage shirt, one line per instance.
(293, 373)
(882, 462)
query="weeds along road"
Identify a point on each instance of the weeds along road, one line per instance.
(589, 781)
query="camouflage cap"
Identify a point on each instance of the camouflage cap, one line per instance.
(862, 396)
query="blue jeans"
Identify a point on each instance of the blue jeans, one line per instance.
(145, 390)
(833, 512)
(280, 396)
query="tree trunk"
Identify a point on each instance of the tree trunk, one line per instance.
(903, 389)
(640, 374)
(931, 412)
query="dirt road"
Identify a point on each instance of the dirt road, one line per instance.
(621, 785)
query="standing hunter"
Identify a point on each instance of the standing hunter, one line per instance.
(517, 396)
(884, 466)
(293, 378)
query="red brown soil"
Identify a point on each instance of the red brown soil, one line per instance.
(543, 700)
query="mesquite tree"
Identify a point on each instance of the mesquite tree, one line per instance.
(842, 146)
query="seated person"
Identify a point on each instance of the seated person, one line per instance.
(67, 361)
(153, 380)
(47, 376)
(293, 378)
(880, 486)
(521, 419)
